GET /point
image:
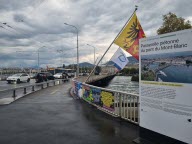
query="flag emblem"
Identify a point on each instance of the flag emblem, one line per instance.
(129, 37)
(119, 59)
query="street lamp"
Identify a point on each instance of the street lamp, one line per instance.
(94, 53)
(38, 56)
(77, 74)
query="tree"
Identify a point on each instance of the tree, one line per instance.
(172, 23)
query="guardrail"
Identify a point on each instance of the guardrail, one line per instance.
(115, 103)
(18, 92)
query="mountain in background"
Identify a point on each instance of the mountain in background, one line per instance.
(131, 59)
(86, 64)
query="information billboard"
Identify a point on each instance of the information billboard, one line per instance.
(166, 84)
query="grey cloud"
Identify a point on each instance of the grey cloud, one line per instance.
(41, 22)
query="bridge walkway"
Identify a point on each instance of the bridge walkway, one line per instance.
(52, 116)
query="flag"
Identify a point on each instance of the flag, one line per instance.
(119, 59)
(129, 37)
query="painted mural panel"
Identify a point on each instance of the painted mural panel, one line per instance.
(99, 97)
(78, 89)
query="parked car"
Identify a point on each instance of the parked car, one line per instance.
(70, 72)
(20, 77)
(58, 75)
(33, 75)
(43, 76)
(65, 76)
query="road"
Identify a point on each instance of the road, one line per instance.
(4, 85)
(52, 116)
(6, 95)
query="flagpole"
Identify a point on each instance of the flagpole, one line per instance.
(136, 7)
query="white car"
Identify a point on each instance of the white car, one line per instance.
(21, 77)
(58, 75)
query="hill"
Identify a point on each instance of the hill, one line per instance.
(86, 64)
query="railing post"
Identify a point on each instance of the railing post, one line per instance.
(24, 91)
(47, 84)
(41, 86)
(134, 119)
(138, 112)
(54, 83)
(116, 102)
(131, 109)
(124, 108)
(120, 105)
(33, 88)
(14, 94)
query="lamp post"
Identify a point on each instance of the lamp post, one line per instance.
(94, 52)
(77, 74)
(38, 56)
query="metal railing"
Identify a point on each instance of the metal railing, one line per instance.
(13, 94)
(116, 103)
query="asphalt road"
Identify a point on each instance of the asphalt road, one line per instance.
(52, 116)
(6, 95)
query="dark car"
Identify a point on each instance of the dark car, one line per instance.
(65, 76)
(43, 76)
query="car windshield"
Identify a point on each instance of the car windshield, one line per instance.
(58, 74)
(17, 75)
(42, 73)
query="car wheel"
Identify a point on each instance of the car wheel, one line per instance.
(28, 80)
(18, 81)
(9, 82)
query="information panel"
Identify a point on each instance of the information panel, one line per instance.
(166, 84)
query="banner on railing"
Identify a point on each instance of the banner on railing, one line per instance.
(99, 97)
(78, 89)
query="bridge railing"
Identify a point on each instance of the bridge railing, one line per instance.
(12, 94)
(116, 103)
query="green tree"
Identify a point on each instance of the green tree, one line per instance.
(172, 23)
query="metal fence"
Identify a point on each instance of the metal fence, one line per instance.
(115, 103)
(12, 94)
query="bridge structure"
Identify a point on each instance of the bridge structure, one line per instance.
(120, 105)
(70, 112)
(49, 112)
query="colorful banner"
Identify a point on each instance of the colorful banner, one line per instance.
(78, 89)
(99, 97)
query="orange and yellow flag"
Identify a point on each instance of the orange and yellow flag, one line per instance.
(129, 37)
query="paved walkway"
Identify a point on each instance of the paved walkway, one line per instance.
(51, 116)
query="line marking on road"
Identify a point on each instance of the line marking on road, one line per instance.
(54, 92)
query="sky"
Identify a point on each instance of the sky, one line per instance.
(32, 27)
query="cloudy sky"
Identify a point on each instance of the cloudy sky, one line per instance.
(27, 26)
